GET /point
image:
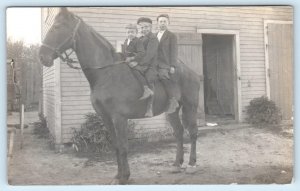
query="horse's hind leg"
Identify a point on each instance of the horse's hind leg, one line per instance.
(189, 118)
(176, 124)
(120, 124)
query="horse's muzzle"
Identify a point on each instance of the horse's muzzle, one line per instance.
(46, 56)
(46, 60)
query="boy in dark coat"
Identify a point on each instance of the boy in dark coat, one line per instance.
(147, 65)
(134, 51)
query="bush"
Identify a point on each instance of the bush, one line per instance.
(131, 129)
(41, 128)
(92, 136)
(262, 111)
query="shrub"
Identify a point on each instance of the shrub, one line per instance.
(41, 128)
(262, 111)
(131, 129)
(92, 136)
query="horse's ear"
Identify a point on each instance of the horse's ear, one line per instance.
(64, 10)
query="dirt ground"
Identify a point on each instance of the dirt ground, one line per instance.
(229, 154)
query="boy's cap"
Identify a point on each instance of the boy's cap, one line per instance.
(144, 19)
(131, 26)
(162, 15)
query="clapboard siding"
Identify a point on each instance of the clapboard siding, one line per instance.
(75, 100)
(75, 112)
(78, 102)
(110, 22)
(50, 96)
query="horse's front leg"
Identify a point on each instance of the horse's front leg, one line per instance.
(107, 121)
(120, 126)
(110, 127)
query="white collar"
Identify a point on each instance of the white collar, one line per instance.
(128, 41)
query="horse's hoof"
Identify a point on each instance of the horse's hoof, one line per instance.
(123, 181)
(130, 181)
(175, 169)
(117, 176)
(191, 169)
(114, 182)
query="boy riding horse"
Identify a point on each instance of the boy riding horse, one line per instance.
(147, 65)
(134, 51)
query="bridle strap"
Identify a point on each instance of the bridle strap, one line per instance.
(75, 32)
(68, 60)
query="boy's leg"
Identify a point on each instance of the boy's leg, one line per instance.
(150, 76)
(140, 76)
(171, 89)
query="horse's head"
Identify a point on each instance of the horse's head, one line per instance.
(60, 37)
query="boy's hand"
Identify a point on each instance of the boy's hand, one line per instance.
(163, 74)
(132, 64)
(172, 70)
(128, 59)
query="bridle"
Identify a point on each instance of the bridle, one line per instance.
(64, 56)
(56, 50)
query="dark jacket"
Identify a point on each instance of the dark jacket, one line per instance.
(134, 49)
(150, 43)
(167, 50)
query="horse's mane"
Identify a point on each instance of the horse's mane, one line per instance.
(99, 38)
(102, 40)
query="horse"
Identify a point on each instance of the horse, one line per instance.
(115, 91)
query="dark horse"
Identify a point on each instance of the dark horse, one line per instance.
(115, 90)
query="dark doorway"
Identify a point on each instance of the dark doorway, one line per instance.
(218, 70)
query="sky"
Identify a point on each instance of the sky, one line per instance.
(24, 24)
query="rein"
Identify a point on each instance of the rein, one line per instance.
(102, 67)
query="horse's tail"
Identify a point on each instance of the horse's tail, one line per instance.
(189, 85)
(190, 89)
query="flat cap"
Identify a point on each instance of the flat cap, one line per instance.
(131, 26)
(144, 19)
(162, 15)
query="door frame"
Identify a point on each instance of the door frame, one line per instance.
(236, 56)
(266, 41)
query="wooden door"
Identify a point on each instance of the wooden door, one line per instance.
(190, 52)
(280, 54)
